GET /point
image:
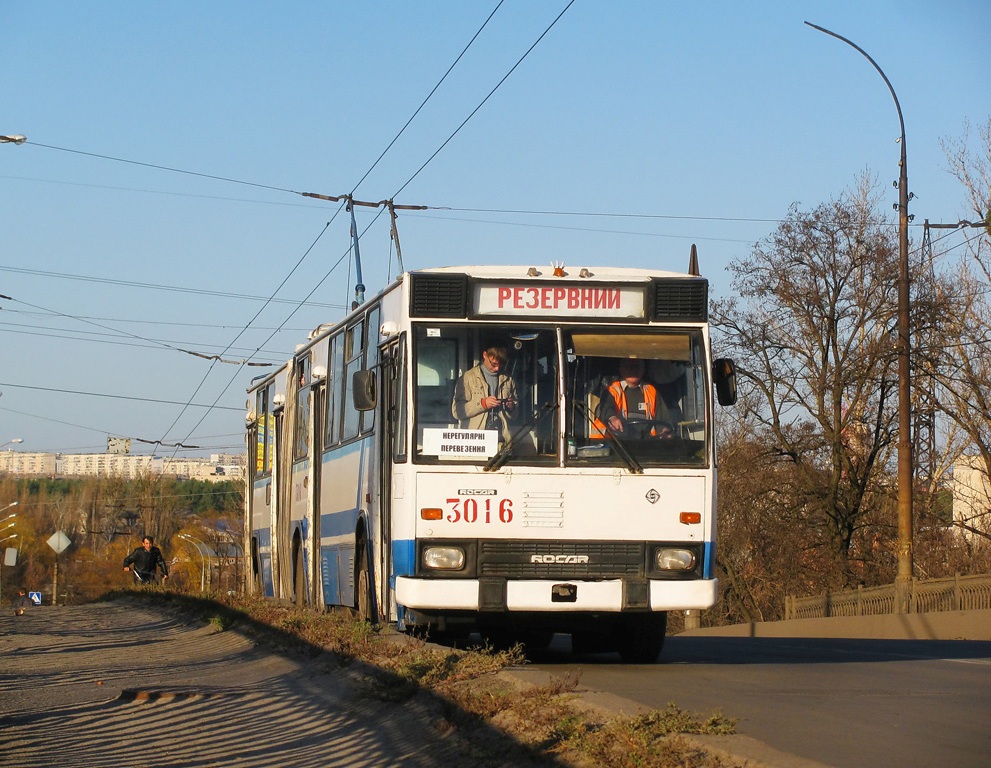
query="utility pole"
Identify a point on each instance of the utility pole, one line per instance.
(925, 369)
(906, 566)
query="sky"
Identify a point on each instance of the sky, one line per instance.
(152, 231)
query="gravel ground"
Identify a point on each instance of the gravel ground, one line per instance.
(113, 685)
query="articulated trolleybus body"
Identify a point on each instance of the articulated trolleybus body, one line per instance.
(392, 476)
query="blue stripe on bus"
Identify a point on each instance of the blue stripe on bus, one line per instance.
(343, 522)
(338, 523)
(708, 559)
(403, 558)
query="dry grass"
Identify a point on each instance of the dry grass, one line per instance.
(549, 722)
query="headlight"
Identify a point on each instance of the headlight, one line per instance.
(674, 559)
(444, 558)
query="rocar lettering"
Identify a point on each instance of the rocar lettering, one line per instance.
(556, 559)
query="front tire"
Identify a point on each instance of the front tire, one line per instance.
(257, 587)
(640, 637)
(363, 604)
(298, 580)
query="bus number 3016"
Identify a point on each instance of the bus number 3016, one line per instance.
(472, 510)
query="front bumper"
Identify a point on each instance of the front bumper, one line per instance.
(607, 596)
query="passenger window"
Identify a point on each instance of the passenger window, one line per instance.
(335, 378)
(354, 357)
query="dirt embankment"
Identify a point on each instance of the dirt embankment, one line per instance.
(134, 684)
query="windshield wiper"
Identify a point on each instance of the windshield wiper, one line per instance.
(634, 466)
(503, 455)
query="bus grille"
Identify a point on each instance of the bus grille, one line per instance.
(438, 296)
(681, 300)
(561, 559)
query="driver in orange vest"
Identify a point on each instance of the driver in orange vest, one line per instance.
(629, 406)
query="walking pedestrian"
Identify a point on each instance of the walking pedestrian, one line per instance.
(145, 560)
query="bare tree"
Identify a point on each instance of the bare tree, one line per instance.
(763, 554)
(971, 165)
(813, 334)
(159, 505)
(964, 380)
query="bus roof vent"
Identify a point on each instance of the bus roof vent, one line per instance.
(680, 300)
(438, 295)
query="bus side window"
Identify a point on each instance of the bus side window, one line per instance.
(371, 357)
(263, 458)
(302, 426)
(399, 400)
(354, 357)
(335, 378)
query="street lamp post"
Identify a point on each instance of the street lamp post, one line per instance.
(236, 551)
(202, 552)
(905, 463)
(11, 442)
(8, 517)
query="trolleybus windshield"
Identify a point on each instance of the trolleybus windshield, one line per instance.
(595, 396)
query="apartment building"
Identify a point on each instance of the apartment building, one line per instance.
(216, 468)
(20, 463)
(971, 495)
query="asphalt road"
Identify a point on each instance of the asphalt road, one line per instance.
(843, 703)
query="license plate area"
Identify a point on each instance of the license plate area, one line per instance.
(564, 593)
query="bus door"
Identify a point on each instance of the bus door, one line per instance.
(301, 484)
(317, 401)
(263, 493)
(392, 419)
(278, 494)
(254, 501)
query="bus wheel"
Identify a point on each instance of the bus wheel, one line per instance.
(537, 640)
(640, 637)
(256, 570)
(299, 596)
(362, 587)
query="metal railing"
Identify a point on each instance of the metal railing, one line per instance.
(957, 593)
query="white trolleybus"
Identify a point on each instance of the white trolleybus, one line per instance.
(517, 451)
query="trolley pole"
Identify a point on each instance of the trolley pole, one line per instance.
(903, 582)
